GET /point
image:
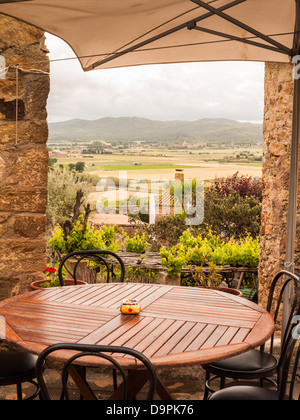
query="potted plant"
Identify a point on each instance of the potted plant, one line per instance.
(52, 279)
(174, 265)
(209, 277)
(137, 244)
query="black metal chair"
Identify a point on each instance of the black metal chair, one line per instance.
(17, 368)
(100, 257)
(287, 374)
(108, 353)
(258, 364)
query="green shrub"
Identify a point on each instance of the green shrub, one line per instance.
(83, 237)
(137, 244)
(174, 263)
(200, 251)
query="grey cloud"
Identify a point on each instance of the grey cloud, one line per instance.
(166, 92)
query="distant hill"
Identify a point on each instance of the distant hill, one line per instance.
(220, 131)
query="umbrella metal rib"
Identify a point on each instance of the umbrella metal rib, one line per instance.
(162, 35)
(242, 25)
(12, 1)
(236, 38)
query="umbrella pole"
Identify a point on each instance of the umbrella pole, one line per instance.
(294, 168)
(293, 195)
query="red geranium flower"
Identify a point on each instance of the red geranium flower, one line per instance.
(50, 270)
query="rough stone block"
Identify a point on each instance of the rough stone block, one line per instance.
(30, 226)
(32, 200)
(22, 256)
(29, 132)
(31, 168)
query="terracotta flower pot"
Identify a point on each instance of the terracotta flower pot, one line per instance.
(36, 284)
(235, 292)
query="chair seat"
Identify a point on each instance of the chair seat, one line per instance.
(245, 393)
(251, 365)
(16, 367)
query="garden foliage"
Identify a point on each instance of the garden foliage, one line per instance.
(202, 250)
(137, 244)
(232, 206)
(63, 187)
(83, 236)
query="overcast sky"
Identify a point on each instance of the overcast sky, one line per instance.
(162, 92)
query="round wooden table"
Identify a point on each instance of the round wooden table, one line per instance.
(178, 326)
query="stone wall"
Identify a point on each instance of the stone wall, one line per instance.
(23, 157)
(276, 166)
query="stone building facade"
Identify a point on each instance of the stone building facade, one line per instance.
(23, 156)
(276, 167)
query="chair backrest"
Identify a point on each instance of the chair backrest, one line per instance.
(109, 353)
(289, 370)
(284, 281)
(101, 257)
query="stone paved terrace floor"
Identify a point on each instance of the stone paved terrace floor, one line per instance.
(183, 384)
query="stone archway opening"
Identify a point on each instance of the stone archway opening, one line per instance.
(24, 161)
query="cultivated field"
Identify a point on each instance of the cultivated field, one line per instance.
(161, 164)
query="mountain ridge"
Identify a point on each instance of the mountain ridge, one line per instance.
(205, 130)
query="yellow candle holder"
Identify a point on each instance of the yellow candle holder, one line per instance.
(130, 307)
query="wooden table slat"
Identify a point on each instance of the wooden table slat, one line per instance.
(116, 296)
(201, 318)
(187, 340)
(199, 341)
(181, 308)
(163, 338)
(241, 336)
(215, 337)
(152, 343)
(129, 333)
(63, 325)
(145, 335)
(228, 336)
(64, 315)
(115, 300)
(110, 327)
(176, 338)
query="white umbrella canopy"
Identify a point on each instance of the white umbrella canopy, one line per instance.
(119, 33)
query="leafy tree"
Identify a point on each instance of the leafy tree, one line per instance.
(52, 162)
(63, 188)
(232, 215)
(79, 167)
(232, 206)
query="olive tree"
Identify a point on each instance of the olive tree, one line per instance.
(65, 190)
